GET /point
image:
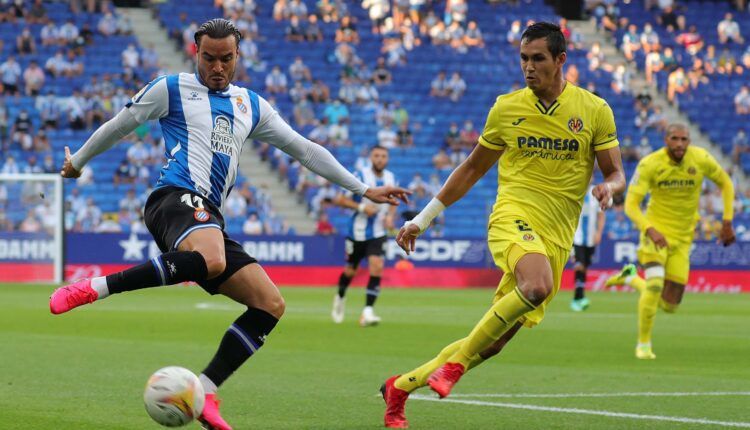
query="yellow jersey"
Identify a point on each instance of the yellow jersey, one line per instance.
(548, 155)
(675, 192)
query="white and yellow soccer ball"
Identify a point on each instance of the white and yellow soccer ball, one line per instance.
(174, 396)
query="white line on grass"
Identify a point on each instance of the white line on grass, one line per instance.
(566, 395)
(587, 412)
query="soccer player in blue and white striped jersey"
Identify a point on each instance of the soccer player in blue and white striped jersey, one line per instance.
(205, 121)
(587, 237)
(368, 228)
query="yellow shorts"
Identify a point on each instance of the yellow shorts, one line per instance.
(675, 258)
(510, 237)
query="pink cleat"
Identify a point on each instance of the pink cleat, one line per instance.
(395, 403)
(210, 418)
(71, 296)
(442, 380)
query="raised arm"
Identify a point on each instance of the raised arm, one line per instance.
(151, 102)
(103, 138)
(458, 184)
(273, 130)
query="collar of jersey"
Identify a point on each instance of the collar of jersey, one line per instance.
(220, 93)
(549, 110)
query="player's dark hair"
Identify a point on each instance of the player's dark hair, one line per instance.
(379, 147)
(217, 28)
(546, 30)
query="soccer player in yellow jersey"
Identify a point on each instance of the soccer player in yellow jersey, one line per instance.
(546, 138)
(674, 177)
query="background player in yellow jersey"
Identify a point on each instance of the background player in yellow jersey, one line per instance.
(546, 137)
(674, 177)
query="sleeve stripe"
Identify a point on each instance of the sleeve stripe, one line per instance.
(608, 141)
(151, 85)
(490, 142)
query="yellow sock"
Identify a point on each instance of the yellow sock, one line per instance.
(636, 282)
(647, 304)
(499, 319)
(667, 307)
(417, 378)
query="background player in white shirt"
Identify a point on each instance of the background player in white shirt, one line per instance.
(366, 237)
(588, 236)
(205, 122)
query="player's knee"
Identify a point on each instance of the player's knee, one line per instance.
(654, 278)
(276, 306)
(376, 267)
(349, 271)
(537, 290)
(216, 263)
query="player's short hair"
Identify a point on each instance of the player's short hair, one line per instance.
(378, 147)
(546, 30)
(217, 28)
(672, 127)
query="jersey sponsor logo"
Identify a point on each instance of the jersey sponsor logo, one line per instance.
(221, 136)
(194, 96)
(558, 144)
(241, 105)
(676, 183)
(201, 215)
(518, 121)
(575, 124)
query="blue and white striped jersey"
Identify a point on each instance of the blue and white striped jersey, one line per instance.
(588, 223)
(362, 227)
(204, 131)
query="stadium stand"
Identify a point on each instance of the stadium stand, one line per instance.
(714, 70)
(412, 70)
(99, 67)
(400, 51)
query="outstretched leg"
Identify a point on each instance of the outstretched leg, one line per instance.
(251, 287)
(200, 257)
(396, 389)
(533, 274)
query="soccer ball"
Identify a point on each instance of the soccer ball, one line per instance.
(174, 396)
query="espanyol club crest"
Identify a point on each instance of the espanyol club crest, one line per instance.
(575, 124)
(240, 105)
(201, 215)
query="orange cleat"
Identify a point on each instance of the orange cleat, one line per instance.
(211, 418)
(395, 402)
(442, 380)
(71, 296)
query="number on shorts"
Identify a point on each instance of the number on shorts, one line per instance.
(194, 202)
(523, 225)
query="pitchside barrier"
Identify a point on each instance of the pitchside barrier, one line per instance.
(317, 260)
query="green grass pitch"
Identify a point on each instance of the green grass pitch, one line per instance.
(87, 369)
